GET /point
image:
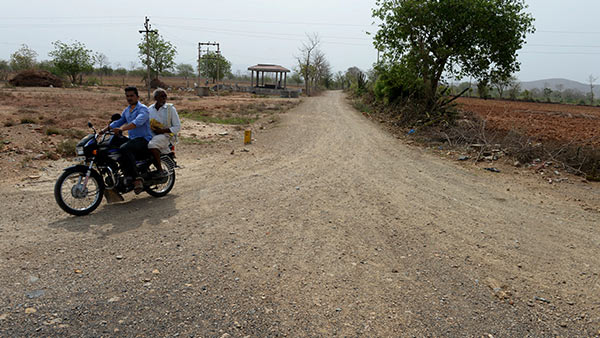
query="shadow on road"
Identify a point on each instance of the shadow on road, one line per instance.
(121, 217)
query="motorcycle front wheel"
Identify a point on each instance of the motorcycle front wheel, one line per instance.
(76, 198)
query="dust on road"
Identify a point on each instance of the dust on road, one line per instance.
(326, 226)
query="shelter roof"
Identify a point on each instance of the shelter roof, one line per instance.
(269, 68)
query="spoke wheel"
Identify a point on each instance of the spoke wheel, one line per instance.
(160, 190)
(76, 198)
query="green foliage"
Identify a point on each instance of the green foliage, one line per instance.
(162, 54)
(398, 82)
(477, 38)
(296, 79)
(185, 70)
(120, 71)
(72, 60)
(4, 70)
(483, 90)
(24, 58)
(214, 66)
(205, 117)
(67, 147)
(48, 66)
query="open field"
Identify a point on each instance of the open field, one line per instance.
(556, 122)
(37, 124)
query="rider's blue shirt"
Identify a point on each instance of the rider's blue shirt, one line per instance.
(140, 116)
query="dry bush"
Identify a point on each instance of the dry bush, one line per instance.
(67, 147)
(577, 158)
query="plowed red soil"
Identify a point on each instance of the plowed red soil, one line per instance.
(546, 121)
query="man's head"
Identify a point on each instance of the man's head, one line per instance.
(131, 93)
(160, 95)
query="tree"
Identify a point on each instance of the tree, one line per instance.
(4, 70)
(162, 54)
(122, 72)
(459, 38)
(214, 66)
(185, 70)
(483, 90)
(23, 59)
(304, 60)
(547, 93)
(102, 62)
(591, 80)
(514, 90)
(296, 78)
(72, 60)
(503, 83)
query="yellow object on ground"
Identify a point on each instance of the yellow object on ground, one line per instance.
(248, 136)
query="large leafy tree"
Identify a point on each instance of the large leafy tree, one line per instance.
(22, 59)
(214, 66)
(73, 60)
(162, 54)
(433, 38)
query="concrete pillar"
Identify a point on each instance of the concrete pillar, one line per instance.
(285, 81)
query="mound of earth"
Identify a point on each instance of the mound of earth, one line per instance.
(36, 78)
(156, 83)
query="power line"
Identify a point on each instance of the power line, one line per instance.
(264, 33)
(268, 22)
(559, 53)
(256, 35)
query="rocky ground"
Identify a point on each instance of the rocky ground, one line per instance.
(325, 226)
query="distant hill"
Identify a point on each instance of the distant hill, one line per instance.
(555, 84)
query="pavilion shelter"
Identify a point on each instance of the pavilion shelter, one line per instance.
(261, 69)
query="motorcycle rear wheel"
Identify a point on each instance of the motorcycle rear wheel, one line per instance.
(160, 190)
(72, 197)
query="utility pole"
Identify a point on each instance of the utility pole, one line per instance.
(147, 30)
(208, 44)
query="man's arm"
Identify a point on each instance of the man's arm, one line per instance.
(142, 117)
(175, 122)
(114, 124)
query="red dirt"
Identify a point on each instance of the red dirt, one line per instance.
(546, 121)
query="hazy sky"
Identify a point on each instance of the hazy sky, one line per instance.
(566, 43)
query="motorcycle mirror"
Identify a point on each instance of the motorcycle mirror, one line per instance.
(115, 117)
(90, 124)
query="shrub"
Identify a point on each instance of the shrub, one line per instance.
(397, 83)
(26, 120)
(53, 131)
(67, 147)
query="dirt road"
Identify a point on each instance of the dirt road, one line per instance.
(327, 226)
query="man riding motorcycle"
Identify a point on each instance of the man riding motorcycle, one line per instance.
(135, 118)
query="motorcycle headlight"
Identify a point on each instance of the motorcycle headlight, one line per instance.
(79, 151)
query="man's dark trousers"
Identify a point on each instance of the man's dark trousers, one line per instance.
(137, 147)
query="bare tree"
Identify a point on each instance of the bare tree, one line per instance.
(304, 59)
(102, 62)
(322, 69)
(592, 79)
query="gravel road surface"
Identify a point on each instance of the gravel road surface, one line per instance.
(326, 226)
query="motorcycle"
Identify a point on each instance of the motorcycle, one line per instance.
(80, 188)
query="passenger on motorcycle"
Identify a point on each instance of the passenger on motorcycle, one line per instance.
(135, 118)
(165, 124)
